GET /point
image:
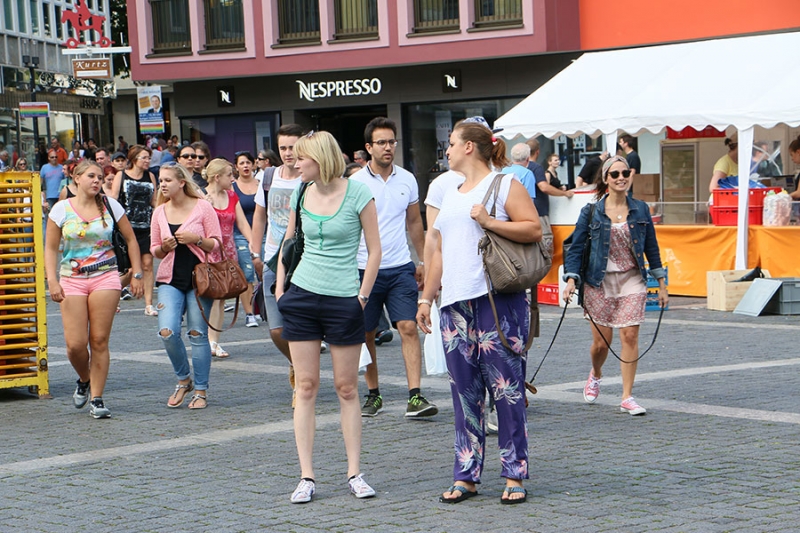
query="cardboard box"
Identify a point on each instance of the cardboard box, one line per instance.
(724, 294)
(647, 184)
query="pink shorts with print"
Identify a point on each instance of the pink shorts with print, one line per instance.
(79, 286)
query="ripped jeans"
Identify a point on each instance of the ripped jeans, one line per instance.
(172, 303)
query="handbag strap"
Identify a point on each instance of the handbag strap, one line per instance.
(503, 339)
(494, 187)
(298, 220)
(203, 313)
(221, 248)
(110, 212)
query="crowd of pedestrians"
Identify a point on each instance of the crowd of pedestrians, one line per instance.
(174, 203)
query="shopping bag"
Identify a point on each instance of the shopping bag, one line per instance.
(364, 360)
(435, 364)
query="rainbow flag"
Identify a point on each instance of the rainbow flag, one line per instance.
(34, 109)
(151, 127)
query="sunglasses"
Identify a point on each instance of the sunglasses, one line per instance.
(201, 157)
(614, 174)
(188, 156)
(261, 158)
(245, 153)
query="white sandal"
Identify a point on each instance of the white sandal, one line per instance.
(217, 351)
(149, 310)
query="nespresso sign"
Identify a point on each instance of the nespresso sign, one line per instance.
(329, 89)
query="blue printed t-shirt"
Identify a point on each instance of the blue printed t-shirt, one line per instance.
(328, 266)
(52, 175)
(88, 250)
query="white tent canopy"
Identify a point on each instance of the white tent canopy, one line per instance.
(741, 82)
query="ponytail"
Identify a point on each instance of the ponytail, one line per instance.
(499, 159)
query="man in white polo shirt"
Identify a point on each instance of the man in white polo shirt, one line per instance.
(397, 198)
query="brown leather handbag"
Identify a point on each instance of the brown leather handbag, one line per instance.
(218, 281)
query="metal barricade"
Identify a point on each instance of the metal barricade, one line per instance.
(23, 305)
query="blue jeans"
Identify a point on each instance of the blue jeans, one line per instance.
(172, 304)
(243, 255)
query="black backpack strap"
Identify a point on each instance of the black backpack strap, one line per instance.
(266, 181)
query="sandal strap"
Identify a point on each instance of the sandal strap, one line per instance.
(516, 490)
(459, 488)
(198, 397)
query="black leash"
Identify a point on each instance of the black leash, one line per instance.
(532, 388)
(610, 349)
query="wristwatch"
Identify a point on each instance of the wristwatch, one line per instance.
(138, 275)
(199, 242)
(363, 298)
(253, 255)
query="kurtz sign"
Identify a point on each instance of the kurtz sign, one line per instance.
(92, 69)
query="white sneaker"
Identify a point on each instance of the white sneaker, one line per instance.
(304, 491)
(250, 321)
(359, 487)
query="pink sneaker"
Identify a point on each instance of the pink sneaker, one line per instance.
(630, 406)
(592, 388)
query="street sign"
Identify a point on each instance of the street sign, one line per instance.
(92, 69)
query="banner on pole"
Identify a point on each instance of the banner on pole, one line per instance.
(151, 112)
(34, 109)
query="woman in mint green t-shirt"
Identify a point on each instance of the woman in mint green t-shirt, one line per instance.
(325, 300)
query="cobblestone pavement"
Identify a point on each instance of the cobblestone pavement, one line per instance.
(717, 450)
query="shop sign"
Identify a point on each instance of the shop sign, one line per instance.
(329, 89)
(451, 81)
(226, 97)
(92, 69)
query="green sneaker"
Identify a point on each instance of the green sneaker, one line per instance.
(373, 405)
(418, 407)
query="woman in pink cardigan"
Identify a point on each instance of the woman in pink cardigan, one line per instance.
(184, 228)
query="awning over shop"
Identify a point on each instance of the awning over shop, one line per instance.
(739, 82)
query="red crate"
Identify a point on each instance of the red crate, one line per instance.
(548, 293)
(728, 216)
(730, 197)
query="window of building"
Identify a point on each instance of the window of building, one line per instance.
(356, 19)
(22, 16)
(58, 25)
(8, 15)
(435, 15)
(171, 31)
(299, 21)
(46, 17)
(498, 13)
(35, 29)
(224, 24)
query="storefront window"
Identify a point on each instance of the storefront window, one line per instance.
(226, 135)
(427, 130)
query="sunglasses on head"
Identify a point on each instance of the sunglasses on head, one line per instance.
(614, 174)
(245, 153)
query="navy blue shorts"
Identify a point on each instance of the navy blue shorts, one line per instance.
(397, 289)
(308, 316)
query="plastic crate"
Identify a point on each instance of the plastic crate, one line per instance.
(548, 293)
(787, 301)
(730, 197)
(728, 216)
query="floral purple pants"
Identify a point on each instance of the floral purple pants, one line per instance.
(477, 361)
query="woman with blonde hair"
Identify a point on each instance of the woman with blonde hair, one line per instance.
(219, 176)
(477, 358)
(88, 288)
(325, 300)
(185, 228)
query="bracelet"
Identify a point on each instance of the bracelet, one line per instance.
(424, 301)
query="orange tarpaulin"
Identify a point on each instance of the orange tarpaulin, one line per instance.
(691, 251)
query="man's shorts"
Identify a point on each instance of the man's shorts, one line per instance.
(396, 288)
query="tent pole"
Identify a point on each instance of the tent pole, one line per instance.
(745, 153)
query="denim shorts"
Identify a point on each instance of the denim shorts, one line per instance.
(308, 316)
(245, 261)
(396, 288)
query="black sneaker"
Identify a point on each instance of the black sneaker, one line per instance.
(384, 336)
(125, 294)
(81, 394)
(373, 405)
(418, 407)
(98, 410)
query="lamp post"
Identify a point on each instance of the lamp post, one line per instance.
(31, 60)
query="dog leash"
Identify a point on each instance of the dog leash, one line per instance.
(610, 349)
(532, 388)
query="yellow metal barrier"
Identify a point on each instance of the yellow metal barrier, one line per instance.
(23, 304)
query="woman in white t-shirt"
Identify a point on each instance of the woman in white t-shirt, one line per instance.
(86, 281)
(476, 358)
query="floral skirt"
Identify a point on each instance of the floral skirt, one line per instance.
(619, 301)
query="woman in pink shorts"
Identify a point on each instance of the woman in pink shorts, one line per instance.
(86, 282)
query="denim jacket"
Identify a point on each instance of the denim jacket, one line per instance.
(643, 239)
